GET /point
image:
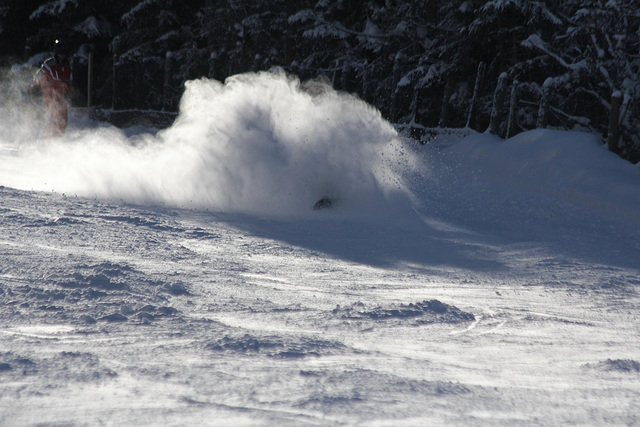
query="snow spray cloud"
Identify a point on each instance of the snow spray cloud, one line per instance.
(18, 111)
(260, 143)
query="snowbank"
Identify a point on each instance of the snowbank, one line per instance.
(572, 166)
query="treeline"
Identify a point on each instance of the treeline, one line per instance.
(502, 65)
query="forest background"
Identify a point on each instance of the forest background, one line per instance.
(501, 65)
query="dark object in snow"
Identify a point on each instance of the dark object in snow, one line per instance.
(276, 346)
(424, 312)
(324, 203)
(87, 319)
(621, 365)
(115, 317)
(176, 289)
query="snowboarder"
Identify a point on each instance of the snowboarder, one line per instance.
(54, 78)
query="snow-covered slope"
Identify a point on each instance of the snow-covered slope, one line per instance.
(182, 277)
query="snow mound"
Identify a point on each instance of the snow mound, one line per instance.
(574, 167)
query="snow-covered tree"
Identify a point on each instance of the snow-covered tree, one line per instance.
(415, 60)
(583, 62)
(609, 31)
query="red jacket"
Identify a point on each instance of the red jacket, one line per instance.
(54, 77)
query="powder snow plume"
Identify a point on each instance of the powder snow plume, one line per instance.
(259, 143)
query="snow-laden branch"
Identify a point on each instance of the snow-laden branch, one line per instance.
(535, 41)
(53, 8)
(129, 18)
(324, 28)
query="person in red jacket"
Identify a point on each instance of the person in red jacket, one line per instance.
(54, 78)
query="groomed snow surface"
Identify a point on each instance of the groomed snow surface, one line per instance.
(182, 277)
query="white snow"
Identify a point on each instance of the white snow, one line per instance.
(181, 277)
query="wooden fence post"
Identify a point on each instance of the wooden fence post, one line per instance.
(543, 109)
(614, 122)
(397, 69)
(212, 62)
(499, 110)
(166, 89)
(347, 77)
(445, 112)
(138, 89)
(476, 92)
(90, 82)
(511, 124)
(114, 88)
(365, 83)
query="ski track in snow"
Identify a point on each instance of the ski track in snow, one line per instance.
(115, 312)
(489, 301)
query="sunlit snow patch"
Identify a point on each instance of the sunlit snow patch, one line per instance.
(571, 166)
